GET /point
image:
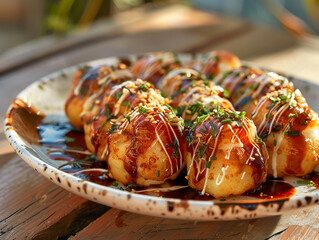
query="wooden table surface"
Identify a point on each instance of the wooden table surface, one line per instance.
(31, 207)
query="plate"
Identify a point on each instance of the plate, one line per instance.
(48, 96)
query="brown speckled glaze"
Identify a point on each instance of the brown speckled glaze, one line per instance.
(48, 95)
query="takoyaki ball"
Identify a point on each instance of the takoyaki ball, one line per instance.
(178, 81)
(247, 85)
(215, 63)
(152, 67)
(145, 148)
(111, 105)
(290, 129)
(199, 99)
(87, 82)
(224, 158)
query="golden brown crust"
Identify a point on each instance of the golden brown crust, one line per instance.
(129, 124)
(282, 117)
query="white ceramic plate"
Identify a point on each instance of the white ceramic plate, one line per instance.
(48, 96)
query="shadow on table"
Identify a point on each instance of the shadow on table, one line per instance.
(157, 228)
(117, 224)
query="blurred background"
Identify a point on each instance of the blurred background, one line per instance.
(22, 21)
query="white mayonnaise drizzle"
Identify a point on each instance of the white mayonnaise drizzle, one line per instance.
(243, 175)
(115, 88)
(189, 72)
(275, 118)
(260, 103)
(212, 153)
(193, 157)
(176, 139)
(153, 65)
(232, 142)
(274, 153)
(251, 90)
(119, 102)
(219, 178)
(172, 84)
(91, 169)
(168, 156)
(217, 101)
(233, 83)
(251, 140)
(190, 93)
(77, 88)
(264, 81)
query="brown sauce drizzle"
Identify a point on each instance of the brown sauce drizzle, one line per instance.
(257, 164)
(67, 144)
(273, 189)
(24, 119)
(255, 79)
(124, 60)
(141, 142)
(58, 131)
(64, 143)
(295, 157)
(314, 177)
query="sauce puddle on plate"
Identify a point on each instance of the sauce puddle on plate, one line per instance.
(66, 144)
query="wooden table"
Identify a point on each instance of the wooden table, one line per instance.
(31, 207)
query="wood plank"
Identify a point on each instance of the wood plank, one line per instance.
(117, 224)
(133, 21)
(5, 147)
(300, 61)
(30, 204)
(187, 38)
(257, 43)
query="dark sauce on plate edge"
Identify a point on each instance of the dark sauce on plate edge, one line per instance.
(66, 144)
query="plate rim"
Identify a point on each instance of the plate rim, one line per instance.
(50, 171)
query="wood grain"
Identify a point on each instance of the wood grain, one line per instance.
(29, 203)
(116, 224)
